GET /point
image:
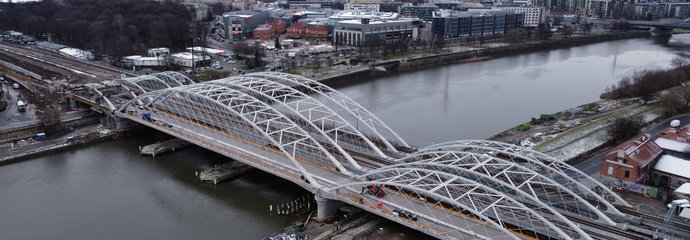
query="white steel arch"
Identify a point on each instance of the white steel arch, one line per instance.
(493, 207)
(179, 77)
(354, 108)
(312, 109)
(285, 134)
(531, 201)
(232, 83)
(572, 178)
(540, 188)
(322, 118)
(142, 84)
(169, 80)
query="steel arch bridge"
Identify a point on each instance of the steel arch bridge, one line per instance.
(310, 134)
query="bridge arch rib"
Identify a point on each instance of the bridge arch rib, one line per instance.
(330, 95)
(219, 108)
(466, 197)
(321, 119)
(564, 173)
(518, 179)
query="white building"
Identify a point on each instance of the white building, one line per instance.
(76, 53)
(365, 1)
(533, 15)
(366, 33)
(362, 7)
(139, 61)
(159, 52)
(186, 59)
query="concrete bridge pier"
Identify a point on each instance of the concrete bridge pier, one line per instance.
(117, 123)
(326, 207)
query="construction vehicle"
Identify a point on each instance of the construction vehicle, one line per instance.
(374, 189)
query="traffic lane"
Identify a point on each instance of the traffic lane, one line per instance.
(12, 116)
(591, 165)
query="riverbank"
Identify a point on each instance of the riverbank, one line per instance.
(401, 65)
(32, 149)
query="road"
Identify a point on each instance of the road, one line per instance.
(11, 116)
(591, 165)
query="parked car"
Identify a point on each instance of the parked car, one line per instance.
(405, 214)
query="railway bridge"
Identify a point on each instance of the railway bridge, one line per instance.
(314, 136)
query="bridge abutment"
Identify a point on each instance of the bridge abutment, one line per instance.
(117, 123)
(326, 207)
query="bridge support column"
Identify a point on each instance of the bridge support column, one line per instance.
(326, 207)
(117, 123)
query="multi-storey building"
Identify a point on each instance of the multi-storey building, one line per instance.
(264, 32)
(364, 32)
(240, 25)
(362, 7)
(649, 10)
(390, 6)
(595, 8)
(678, 10)
(532, 15)
(424, 12)
(364, 1)
(309, 4)
(475, 23)
(357, 15)
(631, 160)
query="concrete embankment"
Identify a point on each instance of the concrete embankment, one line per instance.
(28, 131)
(412, 64)
(54, 146)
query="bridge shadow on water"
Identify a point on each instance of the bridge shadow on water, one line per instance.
(253, 190)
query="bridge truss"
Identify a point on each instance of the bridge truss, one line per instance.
(316, 137)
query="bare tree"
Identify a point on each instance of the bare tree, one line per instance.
(676, 101)
(679, 62)
(567, 30)
(624, 128)
(587, 27)
(513, 35)
(543, 32)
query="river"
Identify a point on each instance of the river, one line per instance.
(108, 191)
(477, 100)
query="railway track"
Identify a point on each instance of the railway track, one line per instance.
(678, 226)
(74, 66)
(607, 232)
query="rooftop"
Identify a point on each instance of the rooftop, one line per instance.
(673, 165)
(673, 145)
(683, 189)
(640, 150)
(50, 45)
(364, 14)
(375, 22)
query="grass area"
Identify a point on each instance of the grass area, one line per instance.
(591, 127)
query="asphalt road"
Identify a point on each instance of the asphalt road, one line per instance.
(591, 166)
(12, 117)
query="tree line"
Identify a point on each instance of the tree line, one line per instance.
(644, 84)
(116, 28)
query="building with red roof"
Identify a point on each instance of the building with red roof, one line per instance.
(631, 160)
(264, 32)
(279, 27)
(297, 30)
(319, 32)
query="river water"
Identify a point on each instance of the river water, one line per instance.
(108, 191)
(477, 100)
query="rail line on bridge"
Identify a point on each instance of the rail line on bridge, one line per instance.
(312, 135)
